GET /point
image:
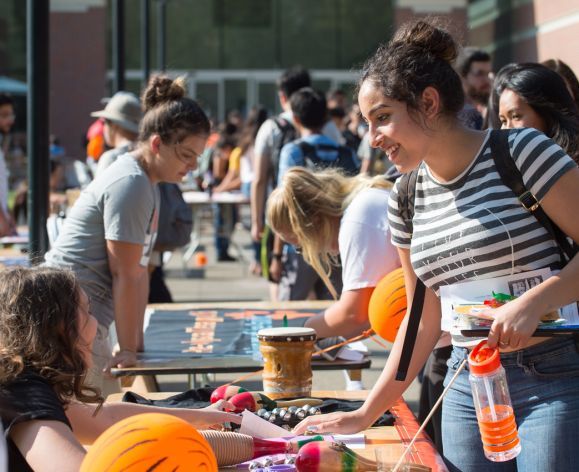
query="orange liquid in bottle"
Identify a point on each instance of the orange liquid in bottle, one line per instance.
(499, 433)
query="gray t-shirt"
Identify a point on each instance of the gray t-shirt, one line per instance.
(120, 205)
(111, 156)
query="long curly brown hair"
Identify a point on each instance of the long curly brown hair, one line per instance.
(39, 330)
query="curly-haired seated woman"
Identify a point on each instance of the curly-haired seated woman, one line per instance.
(46, 335)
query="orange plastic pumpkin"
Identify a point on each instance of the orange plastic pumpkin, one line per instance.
(150, 441)
(387, 306)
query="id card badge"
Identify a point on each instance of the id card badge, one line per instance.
(147, 249)
(150, 238)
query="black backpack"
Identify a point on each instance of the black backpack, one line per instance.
(512, 178)
(175, 219)
(288, 134)
(345, 160)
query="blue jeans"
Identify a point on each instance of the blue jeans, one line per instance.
(544, 386)
(224, 218)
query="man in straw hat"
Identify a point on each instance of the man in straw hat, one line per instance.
(121, 116)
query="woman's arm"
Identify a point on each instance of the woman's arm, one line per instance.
(347, 317)
(231, 181)
(516, 321)
(387, 389)
(7, 226)
(257, 194)
(130, 294)
(88, 426)
(48, 446)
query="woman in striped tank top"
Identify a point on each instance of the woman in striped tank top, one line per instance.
(468, 226)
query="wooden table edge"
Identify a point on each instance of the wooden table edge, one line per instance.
(406, 423)
(180, 366)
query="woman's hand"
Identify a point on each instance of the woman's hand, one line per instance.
(214, 415)
(221, 405)
(122, 358)
(342, 423)
(275, 269)
(514, 324)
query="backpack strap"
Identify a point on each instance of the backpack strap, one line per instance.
(344, 159)
(283, 124)
(286, 129)
(308, 151)
(411, 330)
(406, 196)
(512, 178)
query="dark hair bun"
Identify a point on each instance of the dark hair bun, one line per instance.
(162, 89)
(429, 38)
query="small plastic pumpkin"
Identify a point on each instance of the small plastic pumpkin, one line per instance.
(150, 441)
(387, 306)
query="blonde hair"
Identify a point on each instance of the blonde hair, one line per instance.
(307, 205)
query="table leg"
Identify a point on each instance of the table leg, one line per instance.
(140, 383)
(195, 237)
(192, 380)
(229, 228)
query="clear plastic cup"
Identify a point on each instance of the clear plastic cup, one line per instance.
(386, 460)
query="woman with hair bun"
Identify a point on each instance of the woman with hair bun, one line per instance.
(468, 225)
(110, 231)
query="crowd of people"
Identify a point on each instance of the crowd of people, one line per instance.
(322, 178)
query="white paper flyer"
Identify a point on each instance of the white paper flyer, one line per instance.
(461, 303)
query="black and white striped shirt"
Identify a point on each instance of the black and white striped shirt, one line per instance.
(474, 227)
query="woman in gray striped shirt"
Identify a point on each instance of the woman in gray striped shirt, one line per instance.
(468, 226)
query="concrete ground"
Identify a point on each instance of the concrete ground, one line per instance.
(232, 281)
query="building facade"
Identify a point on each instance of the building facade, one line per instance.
(526, 30)
(231, 50)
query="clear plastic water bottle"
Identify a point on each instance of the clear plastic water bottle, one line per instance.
(492, 401)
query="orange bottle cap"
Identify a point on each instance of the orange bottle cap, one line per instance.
(483, 359)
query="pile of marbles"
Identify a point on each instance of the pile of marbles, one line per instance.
(268, 464)
(289, 417)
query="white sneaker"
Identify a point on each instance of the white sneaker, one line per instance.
(354, 385)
